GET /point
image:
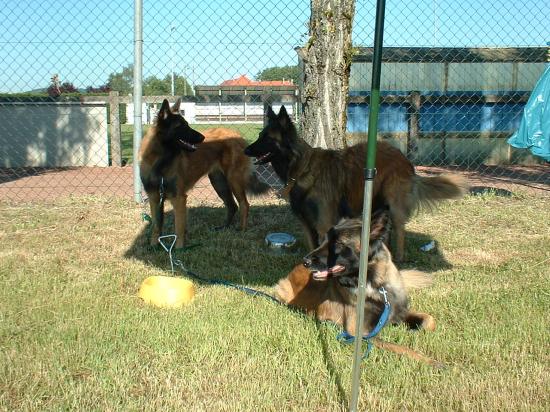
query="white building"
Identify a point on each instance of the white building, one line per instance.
(211, 112)
(149, 112)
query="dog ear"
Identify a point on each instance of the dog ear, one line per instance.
(164, 112)
(380, 229)
(284, 119)
(271, 116)
(176, 106)
(352, 229)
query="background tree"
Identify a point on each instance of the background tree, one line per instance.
(153, 86)
(53, 89)
(280, 73)
(99, 89)
(123, 81)
(181, 85)
(56, 88)
(326, 60)
(68, 87)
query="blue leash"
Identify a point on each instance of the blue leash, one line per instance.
(346, 338)
(192, 274)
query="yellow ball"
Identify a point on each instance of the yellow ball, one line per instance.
(167, 291)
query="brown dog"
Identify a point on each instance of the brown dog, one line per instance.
(324, 186)
(173, 157)
(325, 286)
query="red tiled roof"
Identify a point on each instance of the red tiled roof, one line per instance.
(245, 81)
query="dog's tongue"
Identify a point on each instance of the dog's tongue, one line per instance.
(320, 274)
(336, 269)
(324, 274)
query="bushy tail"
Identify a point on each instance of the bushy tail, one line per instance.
(428, 190)
(255, 185)
(415, 279)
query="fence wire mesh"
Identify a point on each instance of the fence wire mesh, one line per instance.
(455, 80)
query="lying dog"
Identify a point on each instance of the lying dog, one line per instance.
(324, 186)
(326, 284)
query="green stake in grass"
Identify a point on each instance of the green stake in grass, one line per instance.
(370, 172)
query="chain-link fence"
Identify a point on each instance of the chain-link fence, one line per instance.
(455, 80)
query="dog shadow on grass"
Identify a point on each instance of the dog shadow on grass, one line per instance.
(242, 257)
(423, 253)
(229, 255)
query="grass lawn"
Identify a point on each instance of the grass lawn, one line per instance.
(248, 131)
(74, 335)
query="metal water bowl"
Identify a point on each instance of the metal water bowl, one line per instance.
(280, 242)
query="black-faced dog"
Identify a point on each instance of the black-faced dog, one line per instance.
(173, 157)
(326, 284)
(324, 186)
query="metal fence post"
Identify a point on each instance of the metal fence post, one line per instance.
(138, 61)
(114, 109)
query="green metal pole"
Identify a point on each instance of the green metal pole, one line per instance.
(370, 172)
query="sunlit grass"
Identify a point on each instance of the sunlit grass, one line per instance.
(74, 335)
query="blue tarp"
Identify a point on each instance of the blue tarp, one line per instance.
(534, 130)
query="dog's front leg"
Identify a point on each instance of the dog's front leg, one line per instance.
(398, 235)
(157, 216)
(312, 238)
(180, 218)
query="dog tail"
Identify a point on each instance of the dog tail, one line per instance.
(402, 350)
(415, 279)
(428, 190)
(255, 185)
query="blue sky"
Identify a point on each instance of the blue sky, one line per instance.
(85, 41)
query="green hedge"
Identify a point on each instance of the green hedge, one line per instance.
(43, 97)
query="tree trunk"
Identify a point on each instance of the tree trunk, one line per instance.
(326, 64)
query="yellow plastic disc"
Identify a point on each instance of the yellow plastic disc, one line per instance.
(167, 291)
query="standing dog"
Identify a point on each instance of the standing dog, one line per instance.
(173, 157)
(326, 284)
(325, 185)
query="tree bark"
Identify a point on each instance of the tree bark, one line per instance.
(326, 64)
